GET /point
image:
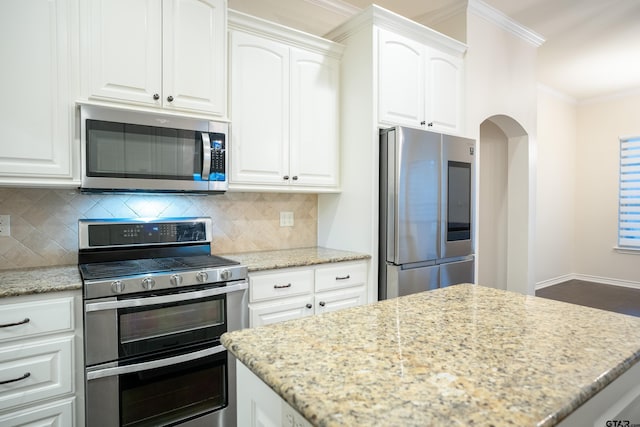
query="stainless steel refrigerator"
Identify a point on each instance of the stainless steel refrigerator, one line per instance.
(426, 211)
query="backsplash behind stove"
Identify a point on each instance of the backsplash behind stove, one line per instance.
(44, 222)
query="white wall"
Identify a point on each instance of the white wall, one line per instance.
(555, 238)
(599, 125)
(501, 81)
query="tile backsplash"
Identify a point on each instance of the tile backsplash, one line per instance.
(44, 222)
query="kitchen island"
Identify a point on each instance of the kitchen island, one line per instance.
(462, 355)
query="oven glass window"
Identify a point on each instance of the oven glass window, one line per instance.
(163, 327)
(459, 201)
(121, 150)
(166, 395)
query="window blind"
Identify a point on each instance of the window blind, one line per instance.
(629, 209)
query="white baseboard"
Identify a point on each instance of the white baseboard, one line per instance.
(554, 281)
(587, 278)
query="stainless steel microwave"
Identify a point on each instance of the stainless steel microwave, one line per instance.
(129, 151)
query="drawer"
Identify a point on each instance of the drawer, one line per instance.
(280, 284)
(35, 370)
(55, 414)
(27, 319)
(340, 275)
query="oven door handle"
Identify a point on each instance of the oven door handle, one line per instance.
(141, 302)
(153, 364)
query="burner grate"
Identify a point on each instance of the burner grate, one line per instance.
(120, 269)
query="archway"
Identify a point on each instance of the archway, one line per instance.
(504, 206)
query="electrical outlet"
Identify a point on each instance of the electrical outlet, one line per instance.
(286, 219)
(5, 225)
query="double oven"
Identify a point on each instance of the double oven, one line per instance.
(155, 305)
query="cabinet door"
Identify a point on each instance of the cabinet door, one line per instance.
(401, 79)
(280, 310)
(259, 110)
(340, 299)
(444, 91)
(314, 119)
(37, 112)
(194, 55)
(124, 50)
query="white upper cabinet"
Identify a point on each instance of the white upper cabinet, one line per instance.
(444, 91)
(284, 108)
(259, 109)
(39, 63)
(418, 85)
(401, 79)
(168, 54)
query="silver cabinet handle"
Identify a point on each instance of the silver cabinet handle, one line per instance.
(309, 306)
(25, 376)
(321, 303)
(156, 96)
(288, 285)
(170, 98)
(22, 322)
(206, 156)
(348, 276)
(110, 305)
(154, 364)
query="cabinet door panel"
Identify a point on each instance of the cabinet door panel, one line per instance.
(125, 54)
(194, 52)
(280, 310)
(37, 113)
(314, 119)
(444, 93)
(259, 110)
(340, 299)
(401, 79)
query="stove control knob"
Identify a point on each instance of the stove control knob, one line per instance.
(202, 276)
(225, 275)
(117, 287)
(176, 280)
(148, 283)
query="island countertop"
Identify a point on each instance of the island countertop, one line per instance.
(462, 355)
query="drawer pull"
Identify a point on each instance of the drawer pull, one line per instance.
(288, 285)
(343, 277)
(25, 376)
(22, 322)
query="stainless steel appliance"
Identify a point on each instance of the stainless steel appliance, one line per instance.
(135, 151)
(155, 305)
(426, 211)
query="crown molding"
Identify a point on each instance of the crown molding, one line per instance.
(443, 14)
(338, 7)
(483, 10)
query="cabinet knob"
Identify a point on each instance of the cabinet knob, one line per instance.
(430, 124)
(170, 98)
(422, 123)
(286, 177)
(156, 96)
(321, 303)
(295, 177)
(309, 306)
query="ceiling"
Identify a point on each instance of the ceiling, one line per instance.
(591, 48)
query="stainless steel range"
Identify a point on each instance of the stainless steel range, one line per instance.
(156, 302)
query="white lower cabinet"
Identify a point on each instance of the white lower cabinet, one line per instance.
(262, 407)
(38, 357)
(286, 294)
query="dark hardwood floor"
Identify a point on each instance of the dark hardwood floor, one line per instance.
(597, 295)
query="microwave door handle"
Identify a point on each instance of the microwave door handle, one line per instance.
(154, 364)
(206, 156)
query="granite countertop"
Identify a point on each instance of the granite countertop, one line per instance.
(285, 258)
(39, 280)
(462, 355)
(62, 278)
